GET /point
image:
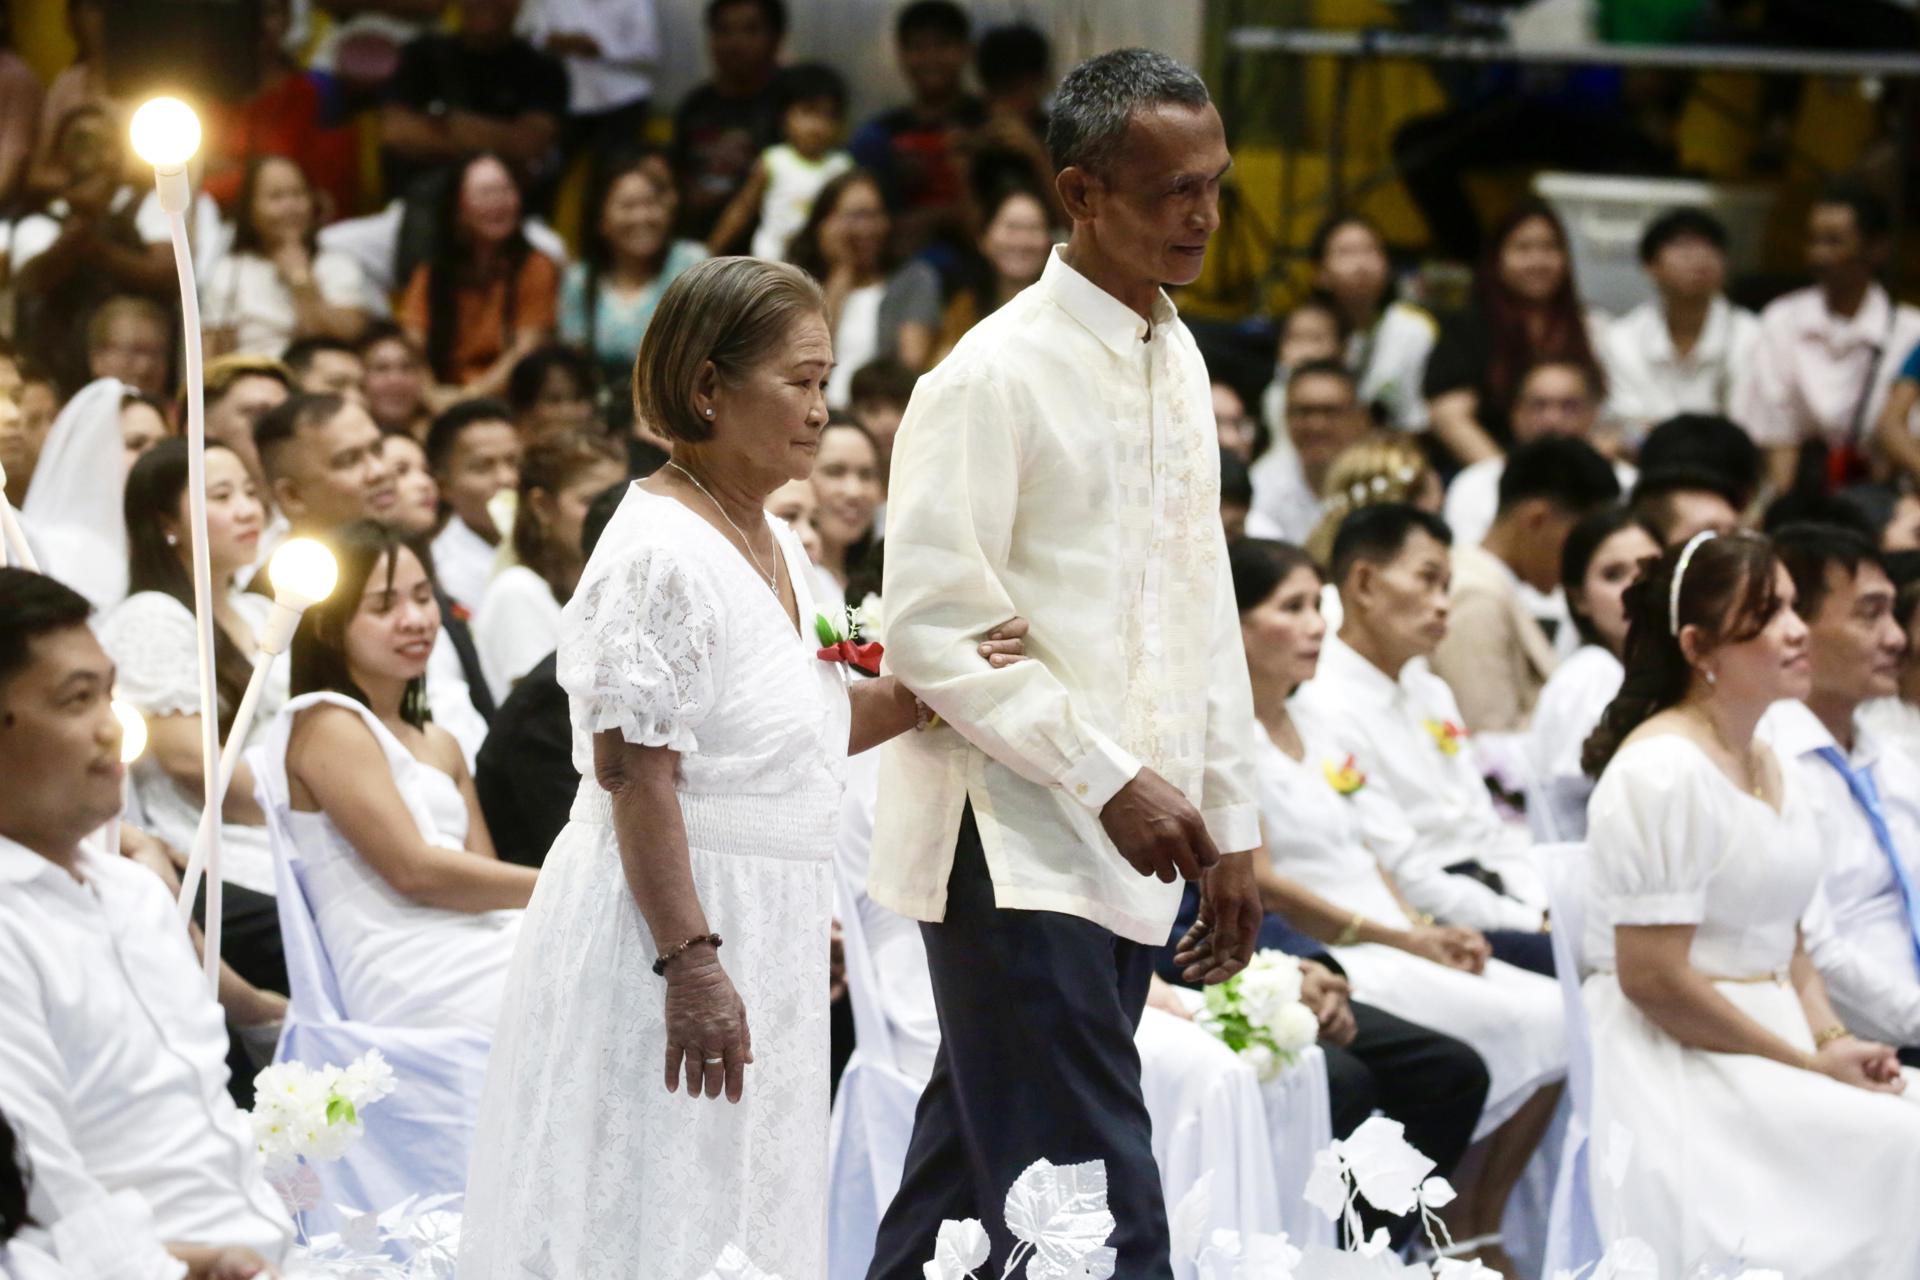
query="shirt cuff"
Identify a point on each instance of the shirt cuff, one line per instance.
(1098, 775)
(1235, 828)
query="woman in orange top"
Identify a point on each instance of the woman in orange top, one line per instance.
(486, 297)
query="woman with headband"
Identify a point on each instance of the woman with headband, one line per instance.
(1738, 1121)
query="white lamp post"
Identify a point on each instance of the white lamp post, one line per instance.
(302, 572)
(133, 741)
(11, 534)
(166, 134)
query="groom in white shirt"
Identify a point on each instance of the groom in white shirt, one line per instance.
(1062, 464)
(1863, 930)
(112, 1053)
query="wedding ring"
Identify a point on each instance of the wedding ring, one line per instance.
(711, 1061)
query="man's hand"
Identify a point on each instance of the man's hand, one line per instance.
(1221, 940)
(215, 1262)
(1325, 992)
(1157, 830)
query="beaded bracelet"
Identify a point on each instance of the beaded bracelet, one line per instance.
(673, 953)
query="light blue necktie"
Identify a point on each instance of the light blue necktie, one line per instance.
(1866, 793)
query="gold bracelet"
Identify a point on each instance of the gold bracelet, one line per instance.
(1824, 1038)
(1350, 934)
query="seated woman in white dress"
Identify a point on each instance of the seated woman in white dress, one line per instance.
(153, 640)
(1604, 553)
(1325, 879)
(518, 622)
(414, 908)
(1760, 1130)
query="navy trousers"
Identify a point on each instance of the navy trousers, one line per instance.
(1037, 1014)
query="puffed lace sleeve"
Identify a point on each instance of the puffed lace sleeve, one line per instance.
(1655, 838)
(640, 649)
(150, 638)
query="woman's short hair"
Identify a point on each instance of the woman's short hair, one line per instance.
(734, 312)
(550, 464)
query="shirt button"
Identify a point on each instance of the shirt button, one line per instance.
(1080, 790)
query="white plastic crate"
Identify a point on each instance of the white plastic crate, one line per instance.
(1605, 217)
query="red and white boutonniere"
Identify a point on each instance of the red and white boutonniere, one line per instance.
(843, 644)
(1447, 736)
(1345, 778)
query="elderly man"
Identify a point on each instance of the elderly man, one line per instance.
(1062, 464)
(113, 1066)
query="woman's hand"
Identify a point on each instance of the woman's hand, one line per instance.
(1006, 644)
(706, 1027)
(1450, 945)
(293, 263)
(1862, 1064)
(1162, 996)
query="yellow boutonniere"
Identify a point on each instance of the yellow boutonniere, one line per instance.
(1446, 735)
(1344, 778)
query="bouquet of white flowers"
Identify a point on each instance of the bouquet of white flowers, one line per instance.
(1259, 1015)
(303, 1113)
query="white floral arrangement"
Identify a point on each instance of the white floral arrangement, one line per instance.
(1258, 1014)
(1059, 1220)
(303, 1113)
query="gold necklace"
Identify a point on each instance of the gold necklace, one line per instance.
(772, 583)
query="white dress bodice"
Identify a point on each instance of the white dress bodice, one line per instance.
(401, 962)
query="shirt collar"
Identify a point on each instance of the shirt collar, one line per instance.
(1112, 321)
(1868, 325)
(1343, 663)
(20, 865)
(1795, 731)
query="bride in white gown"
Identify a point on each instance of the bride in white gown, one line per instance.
(681, 920)
(1758, 1132)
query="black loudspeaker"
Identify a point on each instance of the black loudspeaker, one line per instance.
(200, 50)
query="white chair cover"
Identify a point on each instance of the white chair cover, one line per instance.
(417, 1139)
(73, 502)
(1299, 1126)
(1573, 1238)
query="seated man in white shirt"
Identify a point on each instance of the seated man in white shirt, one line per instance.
(323, 458)
(1863, 931)
(1496, 656)
(473, 451)
(1686, 351)
(1465, 866)
(1323, 415)
(1556, 398)
(113, 1063)
(1829, 352)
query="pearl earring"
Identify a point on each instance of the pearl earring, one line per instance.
(709, 413)
(1712, 679)
(173, 540)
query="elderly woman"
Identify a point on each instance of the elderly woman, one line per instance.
(713, 743)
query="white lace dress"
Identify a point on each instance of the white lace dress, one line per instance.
(583, 1164)
(154, 645)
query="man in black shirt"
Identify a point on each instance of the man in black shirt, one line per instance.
(916, 150)
(481, 89)
(724, 124)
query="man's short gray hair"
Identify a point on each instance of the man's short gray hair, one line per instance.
(1100, 97)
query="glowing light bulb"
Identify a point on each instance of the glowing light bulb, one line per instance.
(133, 731)
(302, 572)
(166, 133)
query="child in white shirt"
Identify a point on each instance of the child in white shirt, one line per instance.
(789, 175)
